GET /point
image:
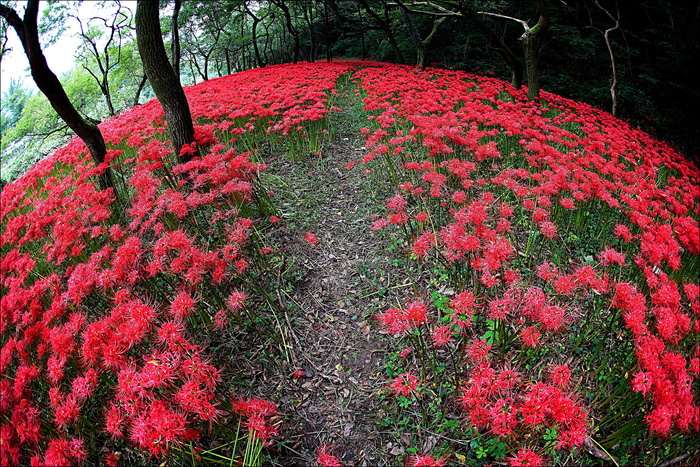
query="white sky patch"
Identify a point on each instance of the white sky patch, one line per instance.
(59, 56)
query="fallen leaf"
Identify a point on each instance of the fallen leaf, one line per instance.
(397, 450)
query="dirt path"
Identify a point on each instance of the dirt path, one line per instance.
(337, 286)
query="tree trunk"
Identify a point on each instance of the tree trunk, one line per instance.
(137, 96)
(384, 25)
(362, 32)
(326, 32)
(421, 44)
(256, 50)
(164, 82)
(531, 45)
(606, 34)
(48, 83)
(531, 65)
(290, 27)
(415, 35)
(308, 16)
(511, 60)
(175, 47)
(266, 49)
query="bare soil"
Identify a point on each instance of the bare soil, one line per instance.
(331, 292)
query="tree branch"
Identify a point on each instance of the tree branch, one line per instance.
(496, 15)
(442, 11)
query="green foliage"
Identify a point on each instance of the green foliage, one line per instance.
(13, 101)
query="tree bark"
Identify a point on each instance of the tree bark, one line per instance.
(384, 25)
(531, 42)
(163, 79)
(256, 50)
(326, 31)
(420, 43)
(511, 60)
(362, 32)
(175, 46)
(48, 83)
(291, 28)
(139, 89)
(606, 34)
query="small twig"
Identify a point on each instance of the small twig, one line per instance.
(286, 318)
(675, 460)
(596, 450)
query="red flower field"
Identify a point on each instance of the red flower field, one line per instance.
(557, 305)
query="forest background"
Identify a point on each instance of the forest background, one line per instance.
(634, 59)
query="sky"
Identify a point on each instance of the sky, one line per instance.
(60, 56)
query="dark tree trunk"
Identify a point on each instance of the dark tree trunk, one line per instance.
(242, 53)
(48, 83)
(362, 32)
(163, 79)
(266, 50)
(290, 27)
(326, 31)
(137, 96)
(256, 50)
(495, 41)
(308, 16)
(175, 47)
(606, 35)
(420, 43)
(531, 42)
(384, 25)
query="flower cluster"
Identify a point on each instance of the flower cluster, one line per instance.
(104, 292)
(508, 406)
(259, 414)
(498, 192)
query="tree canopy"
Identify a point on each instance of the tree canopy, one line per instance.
(634, 60)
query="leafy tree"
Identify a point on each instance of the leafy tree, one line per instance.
(105, 56)
(13, 101)
(28, 33)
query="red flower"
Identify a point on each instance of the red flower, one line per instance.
(548, 229)
(479, 350)
(404, 384)
(311, 238)
(425, 460)
(324, 457)
(560, 375)
(398, 321)
(441, 336)
(526, 457)
(530, 336)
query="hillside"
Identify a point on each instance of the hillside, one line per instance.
(369, 264)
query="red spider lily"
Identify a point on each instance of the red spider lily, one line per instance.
(399, 321)
(425, 460)
(560, 375)
(324, 457)
(422, 245)
(442, 336)
(526, 457)
(311, 238)
(258, 413)
(404, 384)
(530, 336)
